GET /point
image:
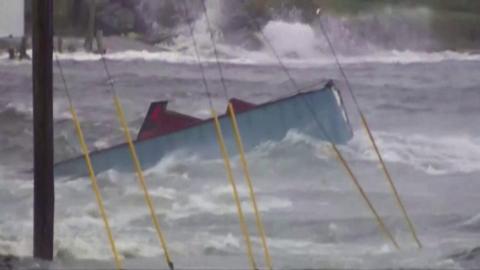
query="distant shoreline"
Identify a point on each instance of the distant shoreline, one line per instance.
(115, 44)
(75, 44)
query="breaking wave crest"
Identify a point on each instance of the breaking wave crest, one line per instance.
(440, 156)
(189, 189)
(245, 57)
(434, 156)
(297, 44)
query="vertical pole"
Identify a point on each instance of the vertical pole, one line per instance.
(99, 39)
(91, 25)
(44, 197)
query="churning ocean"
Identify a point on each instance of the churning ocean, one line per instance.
(423, 108)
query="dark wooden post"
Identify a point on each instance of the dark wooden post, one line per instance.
(23, 48)
(91, 25)
(60, 44)
(43, 197)
(99, 38)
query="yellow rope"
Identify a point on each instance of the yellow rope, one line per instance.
(248, 179)
(93, 179)
(141, 179)
(381, 225)
(390, 181)
(231, 180)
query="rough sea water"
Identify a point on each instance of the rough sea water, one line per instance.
(423, 109)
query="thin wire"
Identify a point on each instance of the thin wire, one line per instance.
(93, 178)
(275, 53)
(215, 50)
(197, 54)
(372, 139)
(383, 229)
(337, 61)
(339, 155)
(64, 81)
(109, 76)
(138, 167)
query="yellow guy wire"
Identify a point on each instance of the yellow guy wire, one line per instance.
(231, 180)
(96, 190)
(390, 181)
(248, 179)
(93, 177)
(381, 224)
(141, 179)
(219, 135)
(370, 136)
(339, 155)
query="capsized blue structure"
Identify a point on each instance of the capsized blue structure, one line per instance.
(259, 123)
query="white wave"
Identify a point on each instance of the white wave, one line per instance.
(20, 108)
(321, 148)
(265, 58)
(219, 243)
(16, 203)
(434, 156)
(473, 221)
(302, 247)
(298, 45)
(16, 238)
(222, 190)
(101, 143)
(80, 234)
(60, 110)
(81, 238)
(212, 199)
(409, 57)
(206, 203)
(295, 39)
(173, 163)
(239, 56)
